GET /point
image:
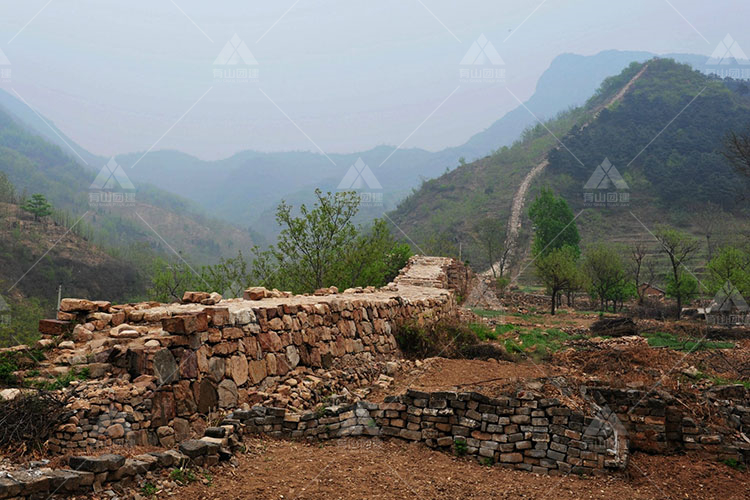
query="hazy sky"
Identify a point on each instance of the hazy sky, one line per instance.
(351, 74)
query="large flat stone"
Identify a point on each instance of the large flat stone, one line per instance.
(102, 463)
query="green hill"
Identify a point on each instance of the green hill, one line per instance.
(679, 171)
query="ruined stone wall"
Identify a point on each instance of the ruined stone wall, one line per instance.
(170, 363)
(657, 423)
(525, 431)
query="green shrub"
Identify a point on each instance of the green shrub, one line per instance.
(483, 331)
(460, 448)
(446, 338)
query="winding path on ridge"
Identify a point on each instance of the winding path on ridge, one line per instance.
(513, 228)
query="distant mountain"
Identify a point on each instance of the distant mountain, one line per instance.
(245, 188)
(680, 170)
(155, 217)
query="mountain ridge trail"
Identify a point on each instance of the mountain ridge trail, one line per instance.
(513, 227)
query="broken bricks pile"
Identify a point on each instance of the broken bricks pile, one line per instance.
(91, 473)
(181, 361)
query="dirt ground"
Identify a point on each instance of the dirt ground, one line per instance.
(364, 468)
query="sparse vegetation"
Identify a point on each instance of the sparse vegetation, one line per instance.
(460, 448)
(671, 341)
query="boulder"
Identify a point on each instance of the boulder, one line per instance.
(238, 369)
(208, 398)
(194, 297)
(185, 324)
(55, 327)
(76, 305)
(227, 394)
(255, 293)
(102, 463)
(165, 367)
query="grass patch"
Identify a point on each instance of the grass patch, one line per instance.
(540, 343)
(18, 360)
(722, 380)
(483, 332)
(487, 313)
(671, 341)
(62, 381)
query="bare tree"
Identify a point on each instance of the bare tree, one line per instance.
(737, 151)
(492, 236)
(638, 254)
(709, 219)
(678, 247)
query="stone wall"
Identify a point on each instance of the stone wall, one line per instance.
(657, 423)
(525, 431)
(171, 363)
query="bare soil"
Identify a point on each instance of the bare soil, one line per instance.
(356, 469)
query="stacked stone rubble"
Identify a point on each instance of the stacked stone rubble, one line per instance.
(525, 432)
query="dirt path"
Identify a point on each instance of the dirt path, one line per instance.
(513, 228)
(372, 468)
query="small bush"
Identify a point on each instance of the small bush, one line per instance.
(483, 331)
(446, 339)
(148, 490)
(734, 464)
(182, 475)
(460, 448)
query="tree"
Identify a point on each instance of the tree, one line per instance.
(679, 247)
(321, 247)
(558, 271)
(606, 273)
(638, 268)
(491, 233)
(554, 224)
(373, 259)
(709, 219)
(7, 190)
(730, 264)
(311, 243)
(737, 151)
(38, 206)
